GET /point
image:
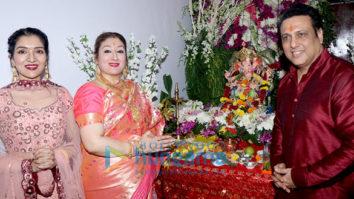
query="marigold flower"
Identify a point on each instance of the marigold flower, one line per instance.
(250, 110)
(223, 99)
(265, 82)
(258, 158)
(242, 97)
(265, 88)
(222, 129)
(242, 103)
(234, 103)
(240, 112)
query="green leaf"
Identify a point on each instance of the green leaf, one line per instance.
(206, 82)
(163, 95)
(84, 39)
(167, 81)
(197, 128)
(170, 127)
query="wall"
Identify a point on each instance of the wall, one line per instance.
(344, 29)
(61, 19)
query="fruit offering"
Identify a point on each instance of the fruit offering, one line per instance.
(249, 150)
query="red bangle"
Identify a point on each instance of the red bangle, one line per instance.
(28, 182)
(30, 179)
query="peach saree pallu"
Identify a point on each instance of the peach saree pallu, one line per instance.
(126, 115)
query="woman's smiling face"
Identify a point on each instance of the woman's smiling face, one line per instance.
(111, 58)
(29, 58)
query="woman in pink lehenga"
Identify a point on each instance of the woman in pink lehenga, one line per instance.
(41, 156)
(115, 118)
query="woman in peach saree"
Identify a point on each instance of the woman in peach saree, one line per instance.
(40, 157)
(116, 119)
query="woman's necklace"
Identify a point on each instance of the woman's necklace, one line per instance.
(30, 85)
(121, 86)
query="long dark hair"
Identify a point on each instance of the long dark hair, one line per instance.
(27, 32)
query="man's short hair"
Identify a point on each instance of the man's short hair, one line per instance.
(302, 10)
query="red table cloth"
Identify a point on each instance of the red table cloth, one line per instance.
(204, 180)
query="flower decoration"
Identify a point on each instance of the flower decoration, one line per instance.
(185, 128)
(229, 23)
(207, 121)
(195, 118)
(228, 132)
(152, 65)
(250, 27)
(210, 21)
(134, 58)
(86, 63)
(249, 83)
(257, 25)
(221, 26)
(255, 127)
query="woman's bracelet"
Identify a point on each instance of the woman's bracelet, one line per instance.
(137, 147)
(130, 154)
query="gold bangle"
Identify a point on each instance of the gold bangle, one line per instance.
(139, 146)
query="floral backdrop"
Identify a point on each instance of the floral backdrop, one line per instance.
(220, 27)
(233, 68)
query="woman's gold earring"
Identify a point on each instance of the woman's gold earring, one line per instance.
(46, 73)
(125, 71)
(15, 77)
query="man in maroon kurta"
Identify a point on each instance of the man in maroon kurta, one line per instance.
(312, 149)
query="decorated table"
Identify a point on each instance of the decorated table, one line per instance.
(244, 114)
(201, 179)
